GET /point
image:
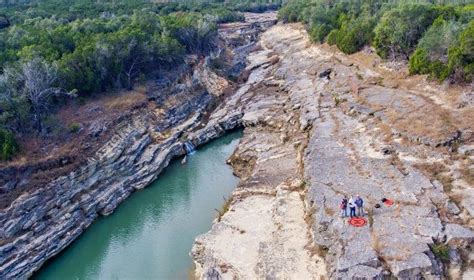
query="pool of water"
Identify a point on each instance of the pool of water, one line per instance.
(151, 233)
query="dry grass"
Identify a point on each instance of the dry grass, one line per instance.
(125, 99)
(395, 161)
(192, 272)
(386, 132)
(467, 173)
(370, 217)
(439, 172)
(429, 121)
(308, 217)
(376, 244)
(398, 211)
(224, 208)
(329, 211)
(315, 250)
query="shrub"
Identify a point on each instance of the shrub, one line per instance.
(318, 32)
(466, 13)
(461, 57)
(74, 127)
(443, 50)
(439, 38)
(354, 34)
(419, 62)
(439, 70)
(441, 250)
(400, 28)
(8, 145)
(331, 39)
(291, 12)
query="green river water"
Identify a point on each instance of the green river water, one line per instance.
(151, 233)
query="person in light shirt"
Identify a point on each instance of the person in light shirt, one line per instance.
(352, 207)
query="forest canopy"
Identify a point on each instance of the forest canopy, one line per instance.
(435, 36)
(53, 49)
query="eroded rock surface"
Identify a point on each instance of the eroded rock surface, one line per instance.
(43, 221)
(264, 234)
(340, 127)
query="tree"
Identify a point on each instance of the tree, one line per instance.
(431, 55)
(354, 34)
(39, 86)
(14, 107)
(400, 28)
(439, 38)
(461, 56)
(8, 145)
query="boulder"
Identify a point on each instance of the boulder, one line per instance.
(325, 73)
(364, 272)
(452, 208)
(457, 235)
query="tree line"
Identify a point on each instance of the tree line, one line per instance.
(436, 37)
(53, 50)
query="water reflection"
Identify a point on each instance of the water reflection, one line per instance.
(151, 233)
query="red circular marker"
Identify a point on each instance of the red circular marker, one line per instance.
(357, 222)
(388, 202)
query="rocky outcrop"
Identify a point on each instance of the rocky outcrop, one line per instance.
(315, 116)
(264, 233)
(41, 223)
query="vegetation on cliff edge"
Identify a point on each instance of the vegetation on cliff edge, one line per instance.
(51, 50)
(437, 37)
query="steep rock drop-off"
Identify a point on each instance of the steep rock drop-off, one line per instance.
(320, 125)
(43, 220)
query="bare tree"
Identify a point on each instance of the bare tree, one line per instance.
(39, 80)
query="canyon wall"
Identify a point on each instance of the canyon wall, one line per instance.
(43, 221)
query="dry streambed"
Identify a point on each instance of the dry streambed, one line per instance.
(319, 125)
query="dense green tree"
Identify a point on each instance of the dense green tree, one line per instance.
(14, 107)
(54, 47)
(426, 32)
(461, 56)
(400, 28)
(8, 145)
(354, 34)
(431, 55)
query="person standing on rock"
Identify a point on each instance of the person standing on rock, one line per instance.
(343, 207)
(352, 207)
(360, 206)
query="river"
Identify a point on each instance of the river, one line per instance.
(150, 234)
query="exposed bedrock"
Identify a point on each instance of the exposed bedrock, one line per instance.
(320, 125)
(41, 223)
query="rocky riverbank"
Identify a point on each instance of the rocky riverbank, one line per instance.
(41, 222)
(320, 125)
